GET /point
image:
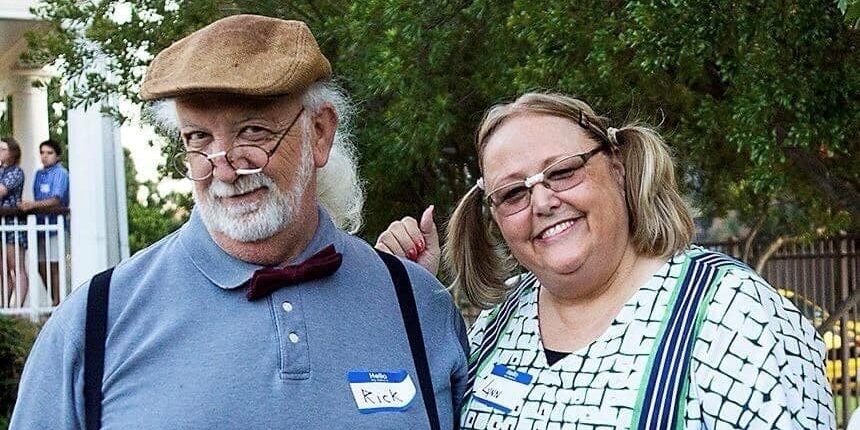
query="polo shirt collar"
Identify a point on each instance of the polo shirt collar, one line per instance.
(53, 166)
(229, 272)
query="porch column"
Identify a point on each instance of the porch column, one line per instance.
(30, 120)
(97, 184)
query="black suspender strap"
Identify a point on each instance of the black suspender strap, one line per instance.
(96, 331)
(94, 347)
(409, 311)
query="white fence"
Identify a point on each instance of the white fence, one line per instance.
(34, 262)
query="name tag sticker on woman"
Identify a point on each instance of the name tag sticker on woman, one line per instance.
(503, 389)
(381, 391)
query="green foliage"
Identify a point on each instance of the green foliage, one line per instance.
(6, 119)
(154, 217)
(759, 100)
(851, 9)
(16, 339)
(58, 114)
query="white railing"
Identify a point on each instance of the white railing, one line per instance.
(34, 262)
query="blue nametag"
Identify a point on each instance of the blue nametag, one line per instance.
(381, 391)
(503, 389)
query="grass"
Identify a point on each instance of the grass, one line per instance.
(840, 404)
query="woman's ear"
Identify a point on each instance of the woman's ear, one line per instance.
(616, 165)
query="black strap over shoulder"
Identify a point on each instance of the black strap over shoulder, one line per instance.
(94, 347)
(409, 311)
(96, 332)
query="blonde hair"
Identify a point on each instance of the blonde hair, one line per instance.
(660, 222)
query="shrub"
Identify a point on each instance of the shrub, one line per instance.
(16, 338)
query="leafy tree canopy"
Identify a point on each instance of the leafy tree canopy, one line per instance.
(152, 216)
(759, 100)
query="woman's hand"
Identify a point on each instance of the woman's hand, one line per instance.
(417, 242)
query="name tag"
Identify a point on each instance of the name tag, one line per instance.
(45, 188)
(503, 389)
(381, 391)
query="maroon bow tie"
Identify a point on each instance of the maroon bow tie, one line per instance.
(269, 279)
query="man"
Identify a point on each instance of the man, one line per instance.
(50, 191)
(190, 342)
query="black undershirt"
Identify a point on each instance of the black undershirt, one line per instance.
(553, 357)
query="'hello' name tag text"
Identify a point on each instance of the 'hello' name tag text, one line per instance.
(381, 391)
(503, 389)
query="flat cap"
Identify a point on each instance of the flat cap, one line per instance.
(240, 54)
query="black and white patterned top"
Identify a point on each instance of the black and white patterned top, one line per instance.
(757, 363)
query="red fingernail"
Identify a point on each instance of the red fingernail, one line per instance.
(420, 244)
(410, 254)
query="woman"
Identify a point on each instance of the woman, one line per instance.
(11, 188)
(617, 320)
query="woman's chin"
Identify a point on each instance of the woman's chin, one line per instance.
(563, 262)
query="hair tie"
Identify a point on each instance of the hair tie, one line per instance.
(480, 183)
(612, 133)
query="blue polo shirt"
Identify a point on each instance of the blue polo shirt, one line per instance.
(51, 182)
(186, 350)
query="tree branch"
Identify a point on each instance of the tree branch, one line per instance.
(841, 192)
(840, 311)
(748, 241)
(771, 249)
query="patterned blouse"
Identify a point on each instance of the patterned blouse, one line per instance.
(12, 177)
(756, 363)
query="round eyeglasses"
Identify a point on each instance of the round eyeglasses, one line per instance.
(244, 159)
(562, 175)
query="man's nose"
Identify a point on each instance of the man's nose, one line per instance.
(221, 168)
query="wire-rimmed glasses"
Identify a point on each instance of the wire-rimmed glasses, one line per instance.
(562, 175)
(244, 159)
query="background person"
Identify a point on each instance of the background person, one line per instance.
(11, 188)
(617, 319)
(50, 191)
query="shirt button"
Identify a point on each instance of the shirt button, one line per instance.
(294, 338)
(287, 306)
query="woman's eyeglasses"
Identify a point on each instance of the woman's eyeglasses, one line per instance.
(562, 175)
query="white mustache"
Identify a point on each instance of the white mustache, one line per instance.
(242, 185)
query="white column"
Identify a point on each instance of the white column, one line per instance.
(99, 230)
(30, 121)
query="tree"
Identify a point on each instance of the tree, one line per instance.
(154, 216)
(6, 118)
(759, 100)
(16, 339)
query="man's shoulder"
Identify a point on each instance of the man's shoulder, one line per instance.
(424, 285)
(157, 256)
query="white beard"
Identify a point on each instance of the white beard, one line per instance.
(251, 222)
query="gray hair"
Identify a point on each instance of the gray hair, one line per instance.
(340, 190)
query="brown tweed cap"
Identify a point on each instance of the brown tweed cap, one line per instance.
(241, 54)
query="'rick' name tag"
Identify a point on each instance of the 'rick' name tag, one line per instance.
(503, 389)
(381, 391)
